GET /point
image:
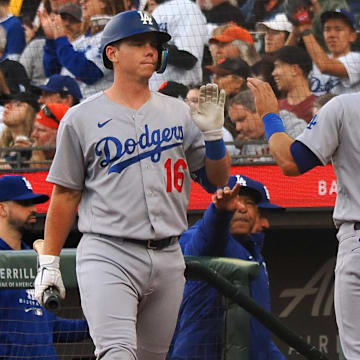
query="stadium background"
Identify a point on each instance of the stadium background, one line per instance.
(302, 241)
(300, 252)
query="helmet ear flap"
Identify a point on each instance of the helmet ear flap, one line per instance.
(162, 60)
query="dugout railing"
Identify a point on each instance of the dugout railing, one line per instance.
(231, 277)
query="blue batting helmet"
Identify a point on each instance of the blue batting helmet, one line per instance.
(130, 23)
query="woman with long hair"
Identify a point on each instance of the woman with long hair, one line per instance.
(18, 117)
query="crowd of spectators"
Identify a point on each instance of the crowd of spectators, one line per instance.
(49, 50)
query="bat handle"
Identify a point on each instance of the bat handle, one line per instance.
(51, 299)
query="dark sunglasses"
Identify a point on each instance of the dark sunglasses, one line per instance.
(47, 112)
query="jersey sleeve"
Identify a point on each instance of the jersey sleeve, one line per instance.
(15, 42)
(210, 235)
(191, 33)
(77, 62)
(351, 62)
(68, 168)
(322, 134)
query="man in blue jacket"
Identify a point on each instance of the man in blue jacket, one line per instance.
(27, 330)
(226, 230)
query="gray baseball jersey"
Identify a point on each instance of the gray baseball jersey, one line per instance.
(133, 166)
(334, 134)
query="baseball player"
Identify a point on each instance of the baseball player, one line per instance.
(125, 157)
(226, 230)
(333, 134)
(27, 330)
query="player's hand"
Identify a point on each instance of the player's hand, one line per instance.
(48, 275)
(210, 116)
(227, 199)
(265, 99)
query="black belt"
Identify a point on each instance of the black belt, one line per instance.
(154, 244)
(357, 226)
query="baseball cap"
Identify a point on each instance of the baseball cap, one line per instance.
(73, 10)
(50, 115)
(62, 83)
(339, 14)
(231, 33)
(174, 89)
(17, 188)
(25, 96)
(236, 66)
(279, 22)
(257, 189)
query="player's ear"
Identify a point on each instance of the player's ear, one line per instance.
(3, 209)
(111, 53)
(353, 36)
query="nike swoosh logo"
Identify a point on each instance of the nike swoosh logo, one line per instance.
(100, 125)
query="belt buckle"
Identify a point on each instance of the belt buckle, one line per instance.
(149, 246)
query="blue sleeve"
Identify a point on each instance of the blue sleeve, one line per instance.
(76, 62)
(275, 353)
(304, 158)
(66, 330)
(51, 63)
(15, 39)
(210, 235)
(200, 177)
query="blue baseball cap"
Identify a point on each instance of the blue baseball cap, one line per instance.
(17, 188)
(339, 14)
(62, 83)
(257, 189)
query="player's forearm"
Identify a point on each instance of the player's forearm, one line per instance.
(218, 171)
(279, 144)
(60, 218)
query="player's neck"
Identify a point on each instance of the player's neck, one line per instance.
(11, 236)
(298, 92)
(131, 94)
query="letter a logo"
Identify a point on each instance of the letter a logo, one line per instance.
(145, 18)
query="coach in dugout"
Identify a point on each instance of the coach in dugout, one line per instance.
(233, 227)
(27, 330)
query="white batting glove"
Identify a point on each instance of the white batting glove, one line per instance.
(210, 116)
(48, 275)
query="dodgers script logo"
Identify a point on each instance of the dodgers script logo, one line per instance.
(157, 141)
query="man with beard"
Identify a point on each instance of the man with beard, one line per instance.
(226, 230)
(27, 330)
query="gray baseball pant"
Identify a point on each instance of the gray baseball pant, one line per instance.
(130, 296)
(347, 290)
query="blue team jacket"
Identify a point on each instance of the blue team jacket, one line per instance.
(15, 37)
(27, 330)
(199, 328)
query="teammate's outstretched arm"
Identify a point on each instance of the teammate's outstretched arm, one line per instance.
(210, 120)
(293, 157)
(59, 220)
(279, 141)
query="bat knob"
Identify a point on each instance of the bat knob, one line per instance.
(51, 299)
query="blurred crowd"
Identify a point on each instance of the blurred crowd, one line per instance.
(50, 60)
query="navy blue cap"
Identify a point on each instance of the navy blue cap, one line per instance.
(256, 188)
(62, 83)
(15, 188)
(340, 13)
